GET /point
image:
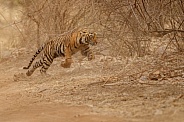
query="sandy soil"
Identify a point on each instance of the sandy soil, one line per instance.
(80, 94)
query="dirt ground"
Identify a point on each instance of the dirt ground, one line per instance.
(81, 94)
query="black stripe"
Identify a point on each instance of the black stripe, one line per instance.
(59, 49)
(80, 40)
(49, 58)
(46, 64)
(45, 67)
(37, 53)
(34, 56)
(41, 63)
(63, 49)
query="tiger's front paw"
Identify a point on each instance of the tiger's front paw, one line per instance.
(65, 65)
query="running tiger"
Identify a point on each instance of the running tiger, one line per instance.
(66, 45)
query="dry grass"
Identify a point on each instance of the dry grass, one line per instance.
(126, 25)
(125, 29)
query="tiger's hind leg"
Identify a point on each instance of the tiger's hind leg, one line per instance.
(35, 66)
(45, 67)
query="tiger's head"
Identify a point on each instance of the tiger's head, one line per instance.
(88, 37)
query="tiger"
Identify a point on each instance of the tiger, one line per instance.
(63, 46)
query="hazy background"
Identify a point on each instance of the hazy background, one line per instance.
(124, 27)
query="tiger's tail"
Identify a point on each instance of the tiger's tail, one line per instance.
(33, 58)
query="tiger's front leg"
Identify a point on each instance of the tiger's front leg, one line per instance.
(88, 53)
(68, 59)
